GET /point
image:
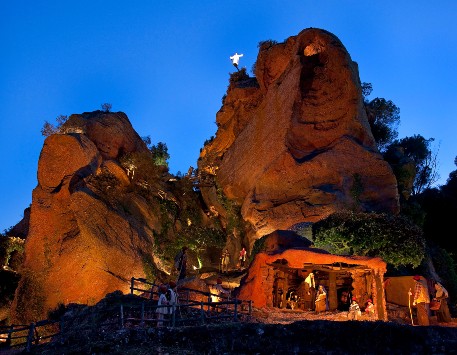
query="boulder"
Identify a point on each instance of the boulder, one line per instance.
(111, 132)
(79, 247)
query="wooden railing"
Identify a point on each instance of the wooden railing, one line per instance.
(192, 313)
(187, 311)
(152, 290)
(216, 306)
(26, 336)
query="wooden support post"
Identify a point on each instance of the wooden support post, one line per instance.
(8, 340)
(173, 316)
(202, 313)
(379, 297)
(132, 281)
(142, 315)
(92, 317)
(122, 316)
(332, 293)
(285, 289)
(235, 314)
(30, 337)
(62, 330)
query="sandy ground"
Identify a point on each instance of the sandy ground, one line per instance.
(287, 316)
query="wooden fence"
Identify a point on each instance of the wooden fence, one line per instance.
(144, 288)
(25, 336)
(187, 312)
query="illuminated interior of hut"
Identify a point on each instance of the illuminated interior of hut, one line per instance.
(341, 281)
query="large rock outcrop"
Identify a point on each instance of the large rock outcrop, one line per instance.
(92, 224)
(78, 248)
(294, 144)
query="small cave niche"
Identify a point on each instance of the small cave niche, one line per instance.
(313, 48)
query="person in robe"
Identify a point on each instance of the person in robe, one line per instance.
(442, 314)
(236, 59)
(321, 303)
(354, 312)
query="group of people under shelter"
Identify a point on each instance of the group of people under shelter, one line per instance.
(427, 303)
(354, 311)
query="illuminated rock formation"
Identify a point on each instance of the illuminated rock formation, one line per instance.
(293, 144)
(79, 248)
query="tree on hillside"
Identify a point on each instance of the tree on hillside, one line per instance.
(49, 128)
(106, 107)
(159, 152)
(440, 206)
(417, 149)
(384, 118)
(367, 89)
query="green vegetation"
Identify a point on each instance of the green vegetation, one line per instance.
(356, 188)
(8, 246)
(238, 76)
(49, 128)
(106, 107)
(233, 209)
(198, 238)
(259, 246)
(266, 44)
(418, 150)
(159, 152)
(395, 239)
(445, 267)
(383, 117)
(149, 268)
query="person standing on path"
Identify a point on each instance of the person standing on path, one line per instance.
(183, 263)
(161, 309)
(242, 258)
(225, 261)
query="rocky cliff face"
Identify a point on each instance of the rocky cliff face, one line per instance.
(92, 226)
(294, 144)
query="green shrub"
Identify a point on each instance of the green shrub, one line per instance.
(9, 245)
(238, 76)
(259, 246)
(106, 107)
(149, 268)
(266, 44)
(395, 239)
(234, 218)
(198, 237)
